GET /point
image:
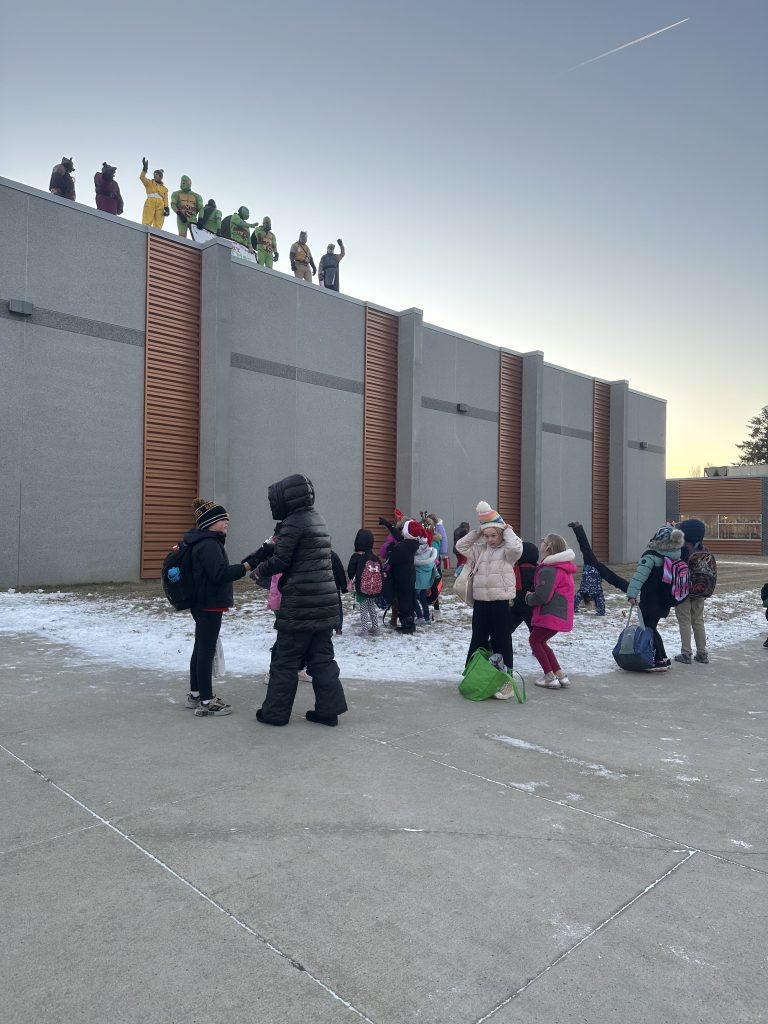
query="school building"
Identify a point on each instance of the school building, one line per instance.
(138, 370)
(733, 503)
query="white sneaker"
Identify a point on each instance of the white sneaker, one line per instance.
(564, 681)
(505, 692)
(548, 684)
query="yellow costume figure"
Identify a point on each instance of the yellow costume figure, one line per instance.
(156, 204)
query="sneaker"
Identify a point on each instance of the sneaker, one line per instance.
(702, 657)
(215, 707)
(662, 663)
(683, 658)
(192, 702)
(564, 681)
(505, 692)
(548, 684)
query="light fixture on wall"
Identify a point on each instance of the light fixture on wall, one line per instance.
(460, 407)
(20, 307)
(643, 445)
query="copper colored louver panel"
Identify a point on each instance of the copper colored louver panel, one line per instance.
(379, 419)
(601, 436)
(171, 398)
(739, 496)
(510, 437)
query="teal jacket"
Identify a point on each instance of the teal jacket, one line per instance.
(645, 566)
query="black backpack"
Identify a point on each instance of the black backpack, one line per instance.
(177, 576)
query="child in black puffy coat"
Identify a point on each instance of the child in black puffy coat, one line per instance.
(525, 570)
(764, 599)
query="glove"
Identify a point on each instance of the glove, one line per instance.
(262, 553)
(340, 243)
(200, 222)
(293, 266)
(166, 212)
(144, 164)
(276, 257)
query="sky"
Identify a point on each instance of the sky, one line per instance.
(611, 214)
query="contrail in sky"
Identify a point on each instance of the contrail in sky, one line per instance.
(632, 43)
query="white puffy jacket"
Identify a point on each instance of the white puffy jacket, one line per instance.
(494, 578)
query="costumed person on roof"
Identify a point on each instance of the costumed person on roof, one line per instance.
(264, 242)
(328, 272)
(62, 183)
(236, 228)
(186, 204)
(210, 218)
(156, 204)
(108, 198)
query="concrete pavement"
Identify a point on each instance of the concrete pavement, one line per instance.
(599, 855)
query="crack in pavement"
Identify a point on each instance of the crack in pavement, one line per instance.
(190, 885)
(592, 932)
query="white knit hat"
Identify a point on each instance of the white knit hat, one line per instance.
(489, 516)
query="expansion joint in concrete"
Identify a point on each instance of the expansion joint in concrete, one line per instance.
(263, 940)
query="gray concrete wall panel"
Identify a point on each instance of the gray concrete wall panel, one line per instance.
(646, 486)
(81, 448)
(11, 434)
(567, 400)
(566, 489)
(459, 467)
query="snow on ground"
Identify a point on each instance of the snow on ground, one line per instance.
(146, 633)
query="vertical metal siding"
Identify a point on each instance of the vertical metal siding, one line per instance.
(510, 436)
(379, 418)
(601, 436)
(171, 398)
(738, 496)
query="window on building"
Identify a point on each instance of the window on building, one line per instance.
(727, 527)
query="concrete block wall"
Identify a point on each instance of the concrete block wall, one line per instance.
(71, 391)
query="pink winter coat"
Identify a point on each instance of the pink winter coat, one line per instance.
(494, 578)
(275, 597)
(552, 594)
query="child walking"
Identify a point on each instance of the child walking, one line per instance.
(647, 587)
(363, 569)
(552, 602)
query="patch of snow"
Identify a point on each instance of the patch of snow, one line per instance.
(144, 632)
(740, 842)
(589, 768)
(688, 778)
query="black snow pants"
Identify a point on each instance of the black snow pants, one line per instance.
(491, 627)
(291, 652)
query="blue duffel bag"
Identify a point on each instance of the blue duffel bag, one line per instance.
(635, 650)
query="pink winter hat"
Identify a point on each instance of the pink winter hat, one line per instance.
(489, 516)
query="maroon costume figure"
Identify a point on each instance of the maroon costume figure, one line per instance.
(62, 183)
(108, 196)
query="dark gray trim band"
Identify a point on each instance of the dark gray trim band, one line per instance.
(657, 449)
(439, 405)
(554, 428)
(75, 325)
(297, 373)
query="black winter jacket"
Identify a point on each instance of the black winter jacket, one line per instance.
(527, 565)
(403, 572)
(339, 576)
(211, 570)
(303, 555)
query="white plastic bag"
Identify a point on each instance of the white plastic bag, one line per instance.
(219, 666)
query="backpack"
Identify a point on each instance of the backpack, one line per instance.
(370, 578)
(674, 574)
(702, 573)
(177, 577)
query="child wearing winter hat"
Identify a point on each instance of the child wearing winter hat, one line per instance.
(690, 613)
(362, 567)
(647, 588)
(492, 549)
(425, 563)
(552, 602)
(764, 599)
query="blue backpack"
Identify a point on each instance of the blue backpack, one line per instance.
(635, 651)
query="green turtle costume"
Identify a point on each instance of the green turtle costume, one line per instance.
(265, 244)
(186, 204)
(237, 228)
